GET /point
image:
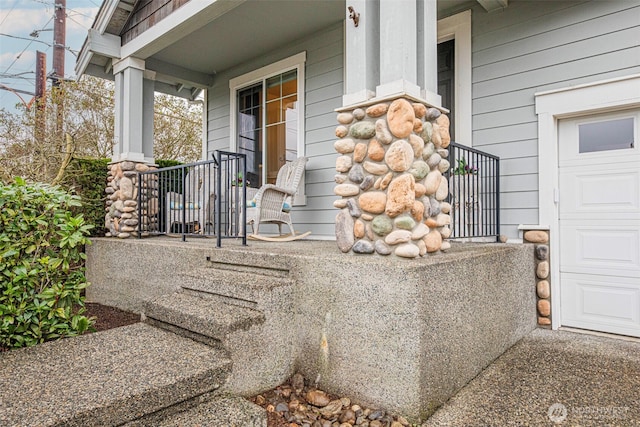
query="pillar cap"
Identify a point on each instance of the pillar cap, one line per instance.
(377, 100)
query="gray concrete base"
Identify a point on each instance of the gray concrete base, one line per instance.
(105, 378)
(225, 411)
(403, 335)
(552, 378)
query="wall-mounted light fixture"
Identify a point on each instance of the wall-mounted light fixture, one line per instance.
(354, 15)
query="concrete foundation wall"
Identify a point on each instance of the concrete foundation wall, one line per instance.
(403, 335)
(406, 335)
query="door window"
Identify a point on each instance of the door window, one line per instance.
(606, 135)
(267, 125)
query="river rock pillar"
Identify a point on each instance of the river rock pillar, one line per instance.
(392, 157)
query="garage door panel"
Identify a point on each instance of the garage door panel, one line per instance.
(601, 303)
(597, 250)
(600, 191)
(599, 222)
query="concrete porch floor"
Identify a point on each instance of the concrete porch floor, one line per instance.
(552, 378)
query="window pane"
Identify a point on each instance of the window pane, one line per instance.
(275, 151)
(277, 100)
(606, 135)
(249, 131)
(274, 85)
(291, 123)
(289, 83)
(273, 112)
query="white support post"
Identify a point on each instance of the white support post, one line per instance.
(428, 52)
(398, 48)
(148, 92)
(361, 52)
(129, 107)
(117, 131)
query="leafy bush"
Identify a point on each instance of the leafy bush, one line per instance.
(41, 265)
(87, 178)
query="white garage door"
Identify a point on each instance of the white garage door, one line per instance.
(599, 215)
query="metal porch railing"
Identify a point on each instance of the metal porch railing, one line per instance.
(203, 199)
(474, 192)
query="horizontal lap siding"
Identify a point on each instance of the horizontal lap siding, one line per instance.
(532, 47)
(323, 94)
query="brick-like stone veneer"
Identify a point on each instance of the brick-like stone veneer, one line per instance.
(540, 239)
(121, 218)
(392, 156)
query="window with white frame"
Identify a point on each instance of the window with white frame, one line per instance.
(267, 118)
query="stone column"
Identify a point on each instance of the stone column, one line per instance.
(122, 219)
(392, 156)
(133, 152)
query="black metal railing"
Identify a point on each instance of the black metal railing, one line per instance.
(474, 192)
(196, 199)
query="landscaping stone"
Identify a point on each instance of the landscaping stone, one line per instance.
(543, 289)
(542, 252)
(375, 150)
(362, 130)
(400, 118)
(544, 307)
(345, 118)
(542, 271)
(344, 230)
(536, 236)
(344, 146)
(359, 152)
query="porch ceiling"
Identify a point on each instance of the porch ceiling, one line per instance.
(189, 58)
(250, 30)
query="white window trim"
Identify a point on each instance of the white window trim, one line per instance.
(551, 106)
(296, 62)
(458, 28)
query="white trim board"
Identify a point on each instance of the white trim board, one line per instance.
(551, 106)
(296, 62)
(458, 27)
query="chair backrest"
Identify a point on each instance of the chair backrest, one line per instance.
(290, 174)
(197, 182)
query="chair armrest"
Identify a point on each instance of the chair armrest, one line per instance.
(287, 191)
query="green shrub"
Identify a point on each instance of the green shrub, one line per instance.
(87, 177)
(41, 265)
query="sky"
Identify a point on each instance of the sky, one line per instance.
(19, 18)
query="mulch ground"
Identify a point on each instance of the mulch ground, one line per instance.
(109, 317)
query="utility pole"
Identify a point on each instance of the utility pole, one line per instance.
(59, 30)
(41, 99)
(59, 41)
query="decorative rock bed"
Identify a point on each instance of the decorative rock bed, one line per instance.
(390, 179)
(121, 218)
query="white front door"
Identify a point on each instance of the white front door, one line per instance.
(599, 222)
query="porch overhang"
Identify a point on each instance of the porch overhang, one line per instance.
(199, 39)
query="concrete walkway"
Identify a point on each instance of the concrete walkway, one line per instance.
(548, 378)
(552, 378)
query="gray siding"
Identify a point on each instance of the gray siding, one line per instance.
(534, 46)
(323, 94)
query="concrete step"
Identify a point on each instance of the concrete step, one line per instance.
(264, 263)
(106, 378)
(242, 288)
(200, 315)
(216, 411)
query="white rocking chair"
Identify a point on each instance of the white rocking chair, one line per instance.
(273, 202)
(194, 205)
